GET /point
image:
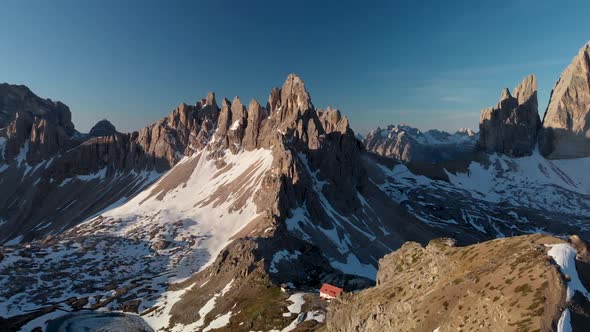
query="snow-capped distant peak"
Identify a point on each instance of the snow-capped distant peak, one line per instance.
(465, 131)
(430, 137)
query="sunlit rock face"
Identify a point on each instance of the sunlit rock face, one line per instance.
(566, 124)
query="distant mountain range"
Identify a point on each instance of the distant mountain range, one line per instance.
(195, 221)
(409, 144)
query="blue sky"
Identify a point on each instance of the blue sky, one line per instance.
(431, 64)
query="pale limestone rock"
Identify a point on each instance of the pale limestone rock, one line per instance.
(511, 126)
(566, 124)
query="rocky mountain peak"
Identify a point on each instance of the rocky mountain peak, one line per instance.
(225, 103)
(224, 120)
(526, 90)
(332, 121)
(46, 124)
(19, 98)
(466, 132)
(103, 128)
(511, 126)
(238, 111)
(294, 97)
(256, 114)
(254, 105)
(505, 95)
(210, 101)
(566, 124)
(207, 108)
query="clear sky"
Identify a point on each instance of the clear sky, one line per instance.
(431, 64)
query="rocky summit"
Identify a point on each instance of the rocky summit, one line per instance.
(566, 123)
(46, 125)
(511, 127)
(233, 215)
(102, 128)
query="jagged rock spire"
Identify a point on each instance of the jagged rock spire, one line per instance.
(224, 120)
(505, 95)
(294, 97)
(274, 100)
(511, 127)
(210, 101)
(238, 111)
(527, 90)
(255, 116)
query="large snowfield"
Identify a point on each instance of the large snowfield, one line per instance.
(163, 235)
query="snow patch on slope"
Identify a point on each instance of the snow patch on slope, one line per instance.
(297, 301)
(565, 256)
(219, 322)
(191, 203)
(517, 181)
(163, 235)
(282, 255)
(355, 267)
(492, 196)
(564, 324)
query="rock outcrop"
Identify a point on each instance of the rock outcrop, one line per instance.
(255, 116)
(511, 127)
(19, 98)
(566, 123)
(483, 287)
(409, 144)
(103, 128)
(24, 117)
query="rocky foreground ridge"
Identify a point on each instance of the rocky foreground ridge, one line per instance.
(525, 283)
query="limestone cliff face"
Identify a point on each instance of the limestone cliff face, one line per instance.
(25, 117)
(566, 124)
(511, 126)
(156, 147)
(19, 98)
